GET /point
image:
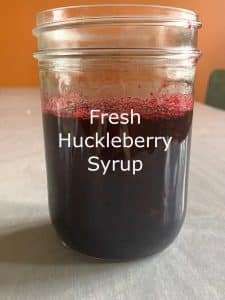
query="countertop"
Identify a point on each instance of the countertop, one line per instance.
(33, 263)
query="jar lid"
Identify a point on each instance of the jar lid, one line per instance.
(119, 26)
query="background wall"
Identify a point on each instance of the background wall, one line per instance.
(17, 19)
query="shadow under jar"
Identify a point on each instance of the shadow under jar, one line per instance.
(117, 102)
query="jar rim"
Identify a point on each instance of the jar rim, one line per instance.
(75, 31)
(100, 13)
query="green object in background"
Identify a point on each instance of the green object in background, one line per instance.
(216, 89)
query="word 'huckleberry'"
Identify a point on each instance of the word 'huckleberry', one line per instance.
(123, 141)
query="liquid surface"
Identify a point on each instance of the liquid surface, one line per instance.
(118, 215)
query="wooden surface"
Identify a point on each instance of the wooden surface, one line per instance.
(34, 265)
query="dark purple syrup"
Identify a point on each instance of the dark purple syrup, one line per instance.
(118, 215)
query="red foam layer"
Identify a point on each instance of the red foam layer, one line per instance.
(152, 107)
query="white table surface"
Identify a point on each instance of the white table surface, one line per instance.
(34, 265)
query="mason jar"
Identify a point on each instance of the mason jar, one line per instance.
(117, 103)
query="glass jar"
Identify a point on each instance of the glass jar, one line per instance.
(117, 102)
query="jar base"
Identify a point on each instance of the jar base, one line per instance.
(103, 258)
